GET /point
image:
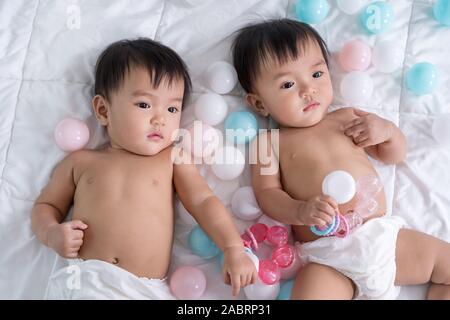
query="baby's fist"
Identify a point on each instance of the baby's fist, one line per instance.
(66, 238)
(317, 211)
(238, 269)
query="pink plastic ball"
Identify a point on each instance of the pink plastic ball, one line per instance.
(283, 256)
(269, 273)
(71, 134)
(291, 271)
(277, 235)
(355, 56)
(188, 283)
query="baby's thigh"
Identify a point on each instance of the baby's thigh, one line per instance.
(316, 281)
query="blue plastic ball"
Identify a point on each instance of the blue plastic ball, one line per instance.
(311, 11)
(441, 12)
(286, 290)
(422, 78)
(241, 127)
(377, 17)
(201, 244)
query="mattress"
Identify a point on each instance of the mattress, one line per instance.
(48, 50)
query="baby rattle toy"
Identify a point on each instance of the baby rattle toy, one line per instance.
(283, 255)
(342, 187)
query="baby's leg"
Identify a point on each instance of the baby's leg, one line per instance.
(316, 281)
(422, 258)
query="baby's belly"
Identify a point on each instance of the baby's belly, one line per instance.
(136, 240)
(357, 169)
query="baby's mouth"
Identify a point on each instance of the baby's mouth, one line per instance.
(310, 106)
(156, 136)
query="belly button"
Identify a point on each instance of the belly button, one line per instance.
(115, 261)
(90, 180)
(293, 156)
(155, 182)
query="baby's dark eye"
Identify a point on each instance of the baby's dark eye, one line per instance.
(143, 105)
(173, 109)
(287, 85)
(317, 74)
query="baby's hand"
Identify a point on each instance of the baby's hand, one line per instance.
(369, 129)
(238, 269)
(66, 238)
(317, 211)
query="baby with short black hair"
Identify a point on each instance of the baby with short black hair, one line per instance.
(120, 238)
(283, 67)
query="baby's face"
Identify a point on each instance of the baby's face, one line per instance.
(297, 93)
(142, 118)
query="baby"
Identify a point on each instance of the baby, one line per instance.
(121, 233)
(283, 67)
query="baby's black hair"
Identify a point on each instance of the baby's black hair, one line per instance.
(120, 57)
(278, 38)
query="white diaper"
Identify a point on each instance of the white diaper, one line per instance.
(366, 256)
(99, 280)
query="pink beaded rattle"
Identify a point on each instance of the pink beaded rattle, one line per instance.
(341, 186)
(283, 254)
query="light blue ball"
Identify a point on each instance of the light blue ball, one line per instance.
(441, 12)
(311, 11)
(241, 127)
(201, 244)
(422, 78)
(377, 17)
(286, 290)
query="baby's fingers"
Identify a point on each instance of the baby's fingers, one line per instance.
(226, 277)
(353, 123)
(235, 284)
(326, 208)
(326, 218)
(330, 201)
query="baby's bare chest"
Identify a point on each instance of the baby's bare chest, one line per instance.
(308, 155)
(125, 180)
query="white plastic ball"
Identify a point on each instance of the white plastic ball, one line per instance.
(339, 185)
(244, 204)
(202, 140)
(356, 87)
(262, 291)
(441, 130)
(228, 163)
(351, 6)
(211, 108)
(221, 77)
(387, 56)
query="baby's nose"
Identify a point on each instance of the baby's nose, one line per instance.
(157, 120)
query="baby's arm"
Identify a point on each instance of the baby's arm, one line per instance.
(213, 217)
(380, 138)
(51, 208)
(273, 200)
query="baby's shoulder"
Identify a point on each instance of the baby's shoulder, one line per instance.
(342, 115)
(81, 157)
(344, 111)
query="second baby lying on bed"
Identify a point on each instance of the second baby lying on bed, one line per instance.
(122, 229)
(283, 66)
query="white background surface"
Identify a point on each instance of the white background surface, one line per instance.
(47, 72)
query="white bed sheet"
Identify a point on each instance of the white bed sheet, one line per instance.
(46, 74)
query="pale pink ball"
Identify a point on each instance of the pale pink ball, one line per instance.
(71, 134)
(188, 283)
(355, 56)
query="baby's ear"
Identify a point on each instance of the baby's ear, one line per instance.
(255, 102)
(100, 109)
